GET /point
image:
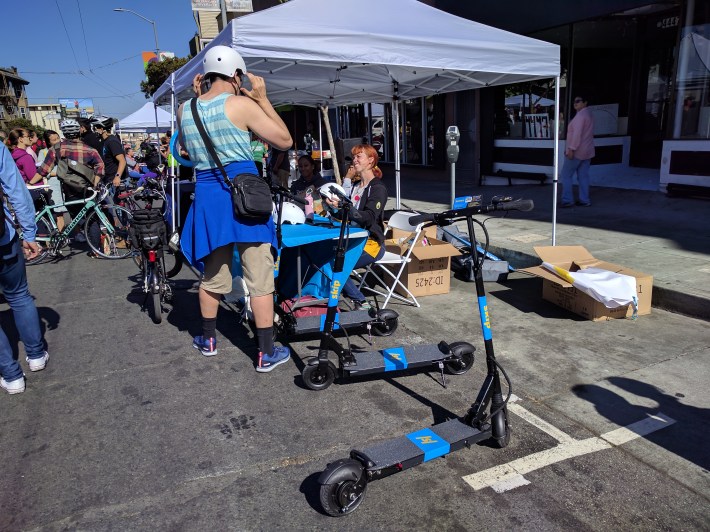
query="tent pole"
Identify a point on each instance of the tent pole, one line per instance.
(173, 186)
(333, 154)
(556, 155)
(395, 136)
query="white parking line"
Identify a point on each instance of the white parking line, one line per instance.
(509, 476)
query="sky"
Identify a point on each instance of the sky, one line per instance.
(83, 49)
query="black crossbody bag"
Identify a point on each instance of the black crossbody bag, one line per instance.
(251, 194)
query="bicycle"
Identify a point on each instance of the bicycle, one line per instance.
(106, 239)
(152, 195)
(149, 236)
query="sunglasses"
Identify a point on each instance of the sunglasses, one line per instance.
(578, 100)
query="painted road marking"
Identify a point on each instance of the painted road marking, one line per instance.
(509, 476)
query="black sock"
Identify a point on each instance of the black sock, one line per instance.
(265, 339)
(209, 326)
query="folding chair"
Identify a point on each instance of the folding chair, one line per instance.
(387, 278)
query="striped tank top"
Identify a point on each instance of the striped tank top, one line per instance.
(231, 143)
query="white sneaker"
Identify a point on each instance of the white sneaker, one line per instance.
(12, 387)
(38, 364)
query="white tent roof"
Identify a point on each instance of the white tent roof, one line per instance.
(336, 52)
(144, 119)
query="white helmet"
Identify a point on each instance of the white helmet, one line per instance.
(291, 214)
(326, 193)
(223, 60)
(70, 128)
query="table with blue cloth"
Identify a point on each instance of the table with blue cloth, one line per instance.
(307, 256)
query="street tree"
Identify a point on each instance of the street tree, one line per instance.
(158, 72)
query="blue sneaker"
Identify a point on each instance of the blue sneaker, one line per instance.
(206, 346)
(269, 362)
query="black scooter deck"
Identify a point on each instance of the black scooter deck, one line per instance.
(423, 445)
(396, 359)
(314, 324)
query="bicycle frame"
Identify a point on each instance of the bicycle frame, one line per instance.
(89, 204)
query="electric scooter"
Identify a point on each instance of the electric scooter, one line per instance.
(344, 482)
(319, 373)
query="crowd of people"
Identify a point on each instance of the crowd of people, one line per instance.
(249, 137)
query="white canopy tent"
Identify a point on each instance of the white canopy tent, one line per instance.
(329, 52)
(144, 120)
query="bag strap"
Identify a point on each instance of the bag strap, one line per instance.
(208, 143)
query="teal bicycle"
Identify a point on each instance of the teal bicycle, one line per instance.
(106, 228)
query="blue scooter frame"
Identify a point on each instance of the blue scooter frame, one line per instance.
(344, 482)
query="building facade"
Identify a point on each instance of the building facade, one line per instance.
(46, 115)
(13, 97)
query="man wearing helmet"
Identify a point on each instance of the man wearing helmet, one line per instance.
(111, 151)
(73, 148)
(229, 112)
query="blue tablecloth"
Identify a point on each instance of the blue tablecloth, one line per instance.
(315, 244)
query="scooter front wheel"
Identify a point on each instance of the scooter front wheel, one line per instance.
(346, 494)
(317, 379)
(386, 328)
(501, 428)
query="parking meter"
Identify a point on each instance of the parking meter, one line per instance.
(452, 141)
(452, 154)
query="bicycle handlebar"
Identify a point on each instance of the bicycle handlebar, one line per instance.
(278, 189)
(444, 218)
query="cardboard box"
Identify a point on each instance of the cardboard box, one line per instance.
(399, 234)
(429, 270)
(561, 293)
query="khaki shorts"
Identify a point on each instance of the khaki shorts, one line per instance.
(257, 265)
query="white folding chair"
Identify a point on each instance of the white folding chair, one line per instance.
(390, 278)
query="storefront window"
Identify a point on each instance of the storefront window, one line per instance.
(692, 97)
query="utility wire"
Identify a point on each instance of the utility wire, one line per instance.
(83, 31)
(67, 32)
(77, 72)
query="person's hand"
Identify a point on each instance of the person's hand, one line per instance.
(334, 203)
(197, 84)
(116, 181)
(30, 249)
(569, 154)
(351, 173)
(258, 88)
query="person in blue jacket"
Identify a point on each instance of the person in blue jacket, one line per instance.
(13, 277)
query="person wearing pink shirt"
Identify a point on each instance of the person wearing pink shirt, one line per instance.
(579, 150)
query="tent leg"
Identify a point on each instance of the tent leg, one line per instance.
(333, 154)
(395, 136)
(556, 169)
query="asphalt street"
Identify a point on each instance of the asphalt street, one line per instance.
(129, 428)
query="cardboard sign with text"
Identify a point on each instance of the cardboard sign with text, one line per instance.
(429, 270)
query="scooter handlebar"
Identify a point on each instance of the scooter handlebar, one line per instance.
(342, 197)
(443, 218)
(278, 189)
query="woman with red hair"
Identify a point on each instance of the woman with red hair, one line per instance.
(369, 197)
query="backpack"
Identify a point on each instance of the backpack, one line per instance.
(74, 175)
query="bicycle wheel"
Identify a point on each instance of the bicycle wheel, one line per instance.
(43, 237)
(112, 240)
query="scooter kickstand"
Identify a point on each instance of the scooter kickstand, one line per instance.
(443, 375)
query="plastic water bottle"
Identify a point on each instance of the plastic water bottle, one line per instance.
(309, 205)
(347, 186)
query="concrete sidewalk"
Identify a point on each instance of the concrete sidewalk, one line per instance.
(668, 238)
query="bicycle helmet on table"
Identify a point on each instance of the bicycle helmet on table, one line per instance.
(290, 214)
(223, 60)
(70, 128)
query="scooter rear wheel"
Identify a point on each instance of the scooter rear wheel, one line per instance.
(386, 328)
(342, 498)
(462, 365)
(317, 380)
